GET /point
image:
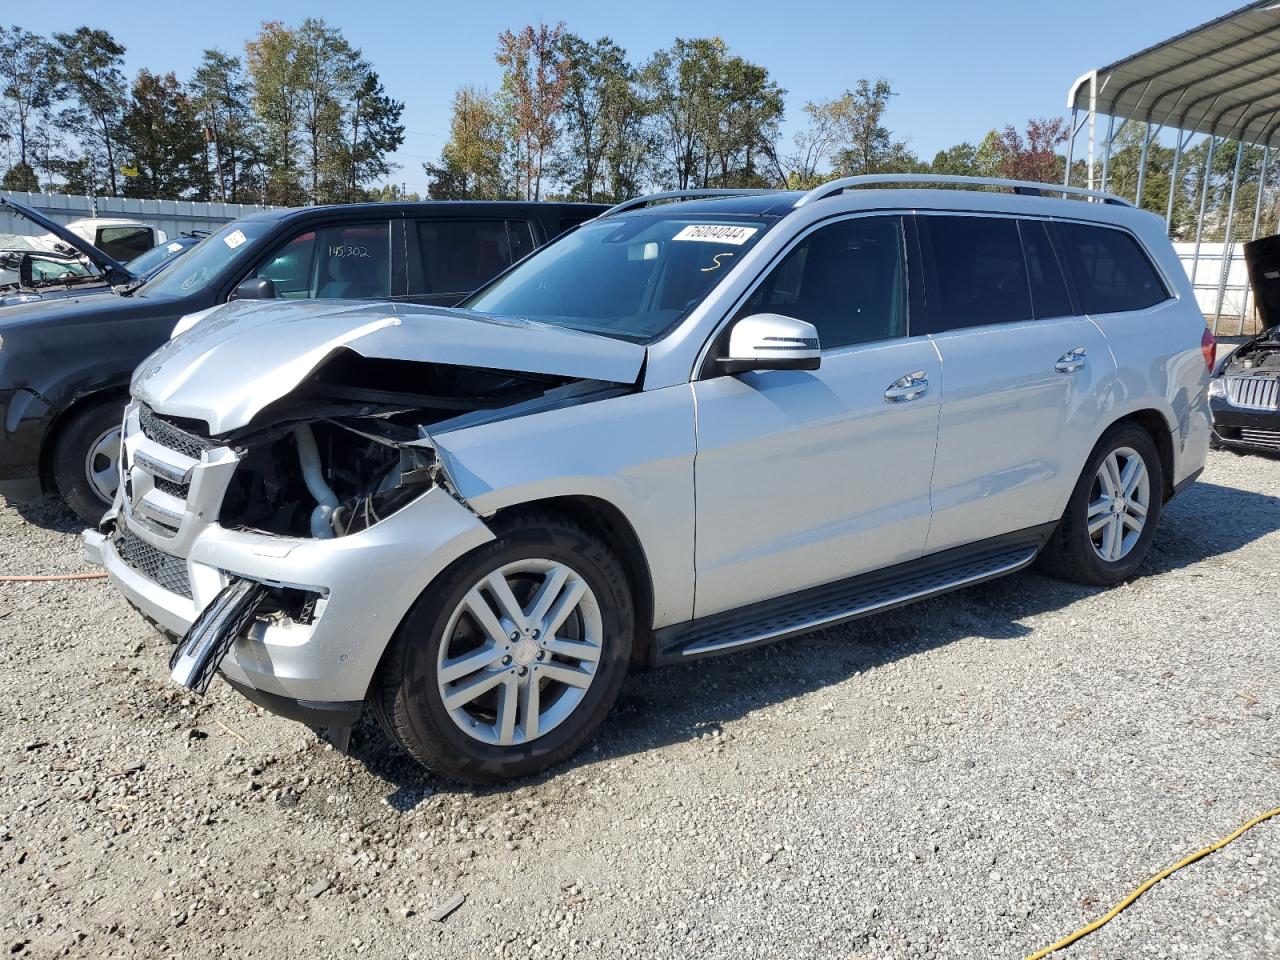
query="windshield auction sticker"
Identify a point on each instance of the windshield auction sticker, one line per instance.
(717, 233)
(234, 239)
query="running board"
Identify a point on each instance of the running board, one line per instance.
(844, 600)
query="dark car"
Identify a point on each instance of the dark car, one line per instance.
(65, 366)
(1244, 395)
(77, 281)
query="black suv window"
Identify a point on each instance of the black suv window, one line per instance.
(343, 261)
(979, 275)
(459, 256)
(124, 243)
(847, 279)
(1048, 289)
(1111, 272)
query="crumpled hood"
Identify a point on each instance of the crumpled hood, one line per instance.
(252, 352)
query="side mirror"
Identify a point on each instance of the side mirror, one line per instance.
(255, 288)
(770, 341)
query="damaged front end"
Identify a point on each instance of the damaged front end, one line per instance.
(354, 444)
(284, 521)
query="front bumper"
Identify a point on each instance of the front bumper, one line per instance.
(1251, 429)
(365, 583)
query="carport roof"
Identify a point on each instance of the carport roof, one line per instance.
(1220, 78)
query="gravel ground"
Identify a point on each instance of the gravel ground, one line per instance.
(973, 776)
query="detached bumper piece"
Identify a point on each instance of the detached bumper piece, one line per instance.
(198, 654)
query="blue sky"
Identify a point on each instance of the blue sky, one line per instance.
(959, 68)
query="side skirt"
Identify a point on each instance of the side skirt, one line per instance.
(844, 600)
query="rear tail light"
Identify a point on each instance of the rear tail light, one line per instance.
(1209, 347)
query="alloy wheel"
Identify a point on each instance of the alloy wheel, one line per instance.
(519, 652)
(1118, 504)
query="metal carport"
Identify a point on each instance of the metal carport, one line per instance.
(1220, 80)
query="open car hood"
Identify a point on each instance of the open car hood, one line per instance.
(250, 353)
(115, 271)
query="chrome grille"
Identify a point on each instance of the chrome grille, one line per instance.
(168, 571)
(1254, 393)
(179, 490)
(1260, 437)
(155, 427)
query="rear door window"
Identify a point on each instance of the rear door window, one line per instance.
(1048, 289)
(978, 272)
(1112, 273)
(459, 256)
(125, 243)
(350, 261)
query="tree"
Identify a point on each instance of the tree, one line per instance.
(163, 140)
(375, 133)
(801, 169)
(20, 177)
(222, 95)
(958, 161)
(534, 80)
(1035, 155)
(87, 63)
(27, 90)
(471, 162)
(276, 80)
(717, 115)
(598, 75)
(866, 144)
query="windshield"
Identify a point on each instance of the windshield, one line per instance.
(633, 277)
(194, 271)
(148, 263)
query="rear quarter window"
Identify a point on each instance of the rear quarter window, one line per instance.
(1111, 271)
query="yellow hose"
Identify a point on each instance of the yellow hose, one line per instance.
(1114, 911)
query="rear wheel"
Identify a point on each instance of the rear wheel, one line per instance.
(86, 459)
(512, 660)
(1107, 527)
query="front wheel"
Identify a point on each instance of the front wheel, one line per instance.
(512, 660)
(86, 460)
(1106, 529)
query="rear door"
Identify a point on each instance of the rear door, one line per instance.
(1026, 376)
(451, 257)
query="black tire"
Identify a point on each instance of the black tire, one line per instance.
(76, 439)
(406, 698)
(1070, 553)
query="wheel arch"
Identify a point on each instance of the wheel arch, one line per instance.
(607, 521)
(77, 406)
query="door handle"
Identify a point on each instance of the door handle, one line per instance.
(907, 388)
(1072, 360)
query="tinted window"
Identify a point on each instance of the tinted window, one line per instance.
(1111, 272)
(1048, 289)
(847, 279)
(346, 261)
(632, 276)
(459, 256)
(124, 243)
(978, 272)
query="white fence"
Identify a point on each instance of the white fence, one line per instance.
(1221, 282)
(171, 216)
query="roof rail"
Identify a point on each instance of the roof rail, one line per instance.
(1024, 187)
(635, 203)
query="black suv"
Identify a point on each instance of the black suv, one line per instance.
(65, 365)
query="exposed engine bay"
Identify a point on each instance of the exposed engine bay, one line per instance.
(1258, 357)
(352, 444)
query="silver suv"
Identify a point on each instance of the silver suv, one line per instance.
(691, 425)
